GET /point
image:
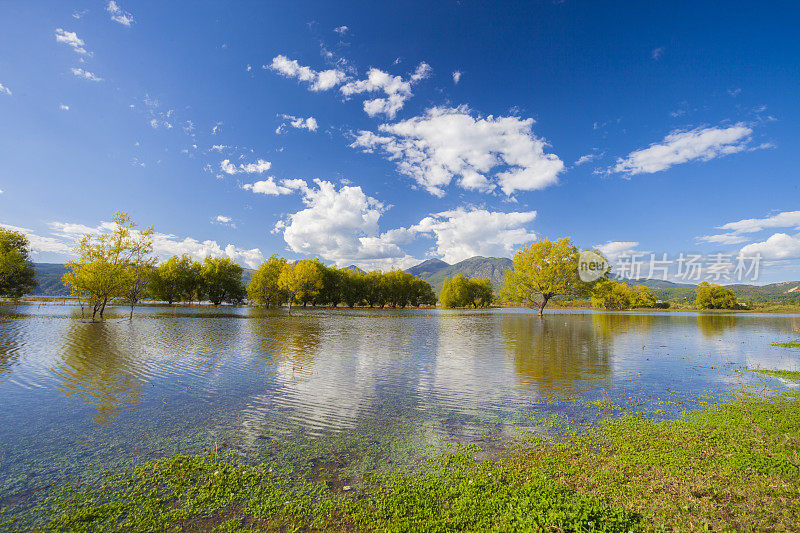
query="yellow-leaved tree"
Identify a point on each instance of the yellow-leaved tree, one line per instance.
(111, 265)
(542, 270)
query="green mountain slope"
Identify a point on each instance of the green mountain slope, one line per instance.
(493, 268)
(48, 276)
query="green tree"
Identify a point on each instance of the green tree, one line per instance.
(107, 263)
(175, 280)
(710, 296)
(333, 280)
(353, 287)
(222, 280)
(461, 291)
(421, 293)
(375, 289)
(17, 276)
(542, 270)
(264, 288)
(643, 297)
(301, 280)
(610, 294)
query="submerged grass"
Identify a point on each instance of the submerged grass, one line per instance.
(790, 344)
(735, 466)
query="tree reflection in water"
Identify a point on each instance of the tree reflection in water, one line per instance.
(554, 355)
(96, 362)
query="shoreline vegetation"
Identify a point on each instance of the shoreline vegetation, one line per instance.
(730, 466)
(778, 308)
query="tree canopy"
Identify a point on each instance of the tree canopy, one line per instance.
(264, 288)
(542, 270)
(222, 280)
(610, 294)
(461, 291)
(17, 276)
(108, 264)
(710, 296)
(176, 280)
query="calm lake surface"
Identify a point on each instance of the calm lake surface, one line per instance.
(336, 394)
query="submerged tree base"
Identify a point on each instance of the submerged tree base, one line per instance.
(732, 467)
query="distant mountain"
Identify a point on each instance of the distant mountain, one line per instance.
(353, 268)
(428, 268)
(48, 276)
(434, 271)
(670, 291)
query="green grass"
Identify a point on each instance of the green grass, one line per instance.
(790, 344)
(793, 375)
(735, 466)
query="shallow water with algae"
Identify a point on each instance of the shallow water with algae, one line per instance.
(335, 395)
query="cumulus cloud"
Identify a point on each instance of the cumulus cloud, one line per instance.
(482, 153)
(340, 225)
(462, 233)
(71, 39)
(777, 247)
(343, 225)
(396, 89)
(223, 220)
(272, 188)
(301, 123)
(341, 30)
(118, 15)
(317, 80)
(682, 146)
(259, 167)
(63, 107)
(5, 90)
(85, 74)
(456, 76)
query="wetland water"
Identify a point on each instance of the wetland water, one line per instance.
(336, 394)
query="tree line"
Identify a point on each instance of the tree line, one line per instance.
(120, 266)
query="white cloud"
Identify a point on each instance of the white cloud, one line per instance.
(613, 250)
(682, 146)
(462, 233)
(397, 90)
(340, 226)
(224, 221)
(341, 30)
(450, 142)
(786, 219)
(270, 187)
(456, 76)
(309, 123)
(657, 52)
(588, 158)
(722, 238)
(118, 15)
(259, 167)
(63, 107)
(219, 147)
(85, 74)
(64, 235)
(778, 246)
(5, 90)
(318, 81)
(41, 244)
(71, 39)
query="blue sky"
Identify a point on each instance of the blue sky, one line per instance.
(384, 134)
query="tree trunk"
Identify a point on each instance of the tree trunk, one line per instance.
(544, 303)
(103, 308)
(290, 306)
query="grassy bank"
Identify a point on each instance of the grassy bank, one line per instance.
(734, 466)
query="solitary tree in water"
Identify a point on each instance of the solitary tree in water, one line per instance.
(17, 276)
(109, 264)
(542, 270)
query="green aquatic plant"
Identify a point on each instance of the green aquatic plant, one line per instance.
(789, 344)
